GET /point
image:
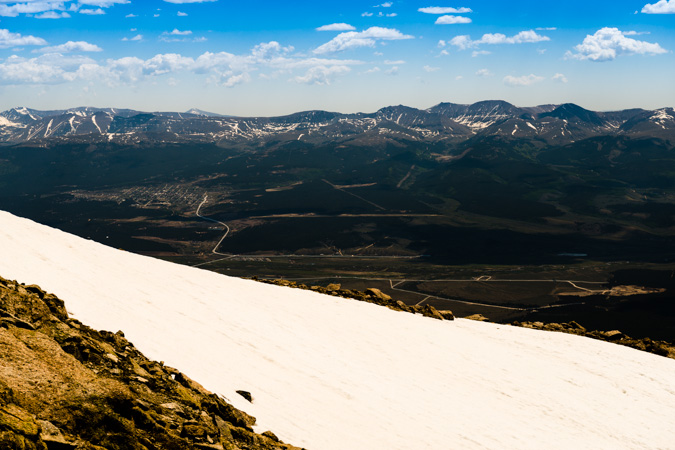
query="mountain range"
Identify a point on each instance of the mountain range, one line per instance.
(444, 123)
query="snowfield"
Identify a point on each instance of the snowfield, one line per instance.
(329, 373)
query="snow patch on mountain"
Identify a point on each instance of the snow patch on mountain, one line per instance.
(330, 373)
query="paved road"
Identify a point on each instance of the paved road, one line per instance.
(227, 229)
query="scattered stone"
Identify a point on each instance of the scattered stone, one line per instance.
(334, 287)
(247, 395)
(661, 348)
(478, 317)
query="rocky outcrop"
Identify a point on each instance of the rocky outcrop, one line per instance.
(370, 295)
(662, 348)
(64, 385)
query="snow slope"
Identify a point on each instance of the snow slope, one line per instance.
(330, 373)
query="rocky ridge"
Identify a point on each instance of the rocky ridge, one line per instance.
(370, 295)
(376, 296)
(66, 386)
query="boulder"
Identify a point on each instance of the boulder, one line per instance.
(478, 317)
(374, 292)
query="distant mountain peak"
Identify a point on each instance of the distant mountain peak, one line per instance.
(199, 112)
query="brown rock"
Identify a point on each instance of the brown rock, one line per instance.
(374, 292)
(478, 317)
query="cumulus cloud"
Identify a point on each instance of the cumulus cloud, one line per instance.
(484, 73)
(103, 3)
(366, 14)
(321, 74)
(49, 9)
(608, 43)
(384, 5)
(181, 14)
(559, 77)
(92, 12)
(71, 47)
(660, 7)
(354, 39)
(9, 39)
(224, 69)
(525, 80)
(444, 10)
(177, 32)
(336, 27)
(130, 16)
(530, 36)
(138, 37)
(53, 15)
(451, 20)
(477, 53)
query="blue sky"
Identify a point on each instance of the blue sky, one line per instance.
(268, 58)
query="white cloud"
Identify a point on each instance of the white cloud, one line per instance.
(336, 27)
(384, 5)
(181, 14)
(660, 7)
(103, 3)
(477, 53)
(9, 39)
(354, 39)
(458, 77)
(451, 20)
(431, 69)
(177, 32)
(525, 80)
(138, 37)
(392, 15)
(530, 36)
(29, 8)
(462, 42)
(392, 71)
(233, 80)
(129, 16)
(546, 28)
(484, 73)
(559, 77)
(321, 74)
(92, 12)
(71, 47)
(51, 9)
(443, 10)
(373, 70)
(608, 43)
(394, 63)
(53, 15)
(224, 69)
(366, 14)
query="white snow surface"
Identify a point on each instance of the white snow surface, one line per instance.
(330, 373)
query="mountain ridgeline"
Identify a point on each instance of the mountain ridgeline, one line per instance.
(444, 123)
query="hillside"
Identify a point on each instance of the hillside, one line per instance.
(64, 385)
(332, 373)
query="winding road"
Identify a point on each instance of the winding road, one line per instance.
(227, 229)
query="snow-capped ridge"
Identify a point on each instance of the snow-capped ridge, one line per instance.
(444, 122)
